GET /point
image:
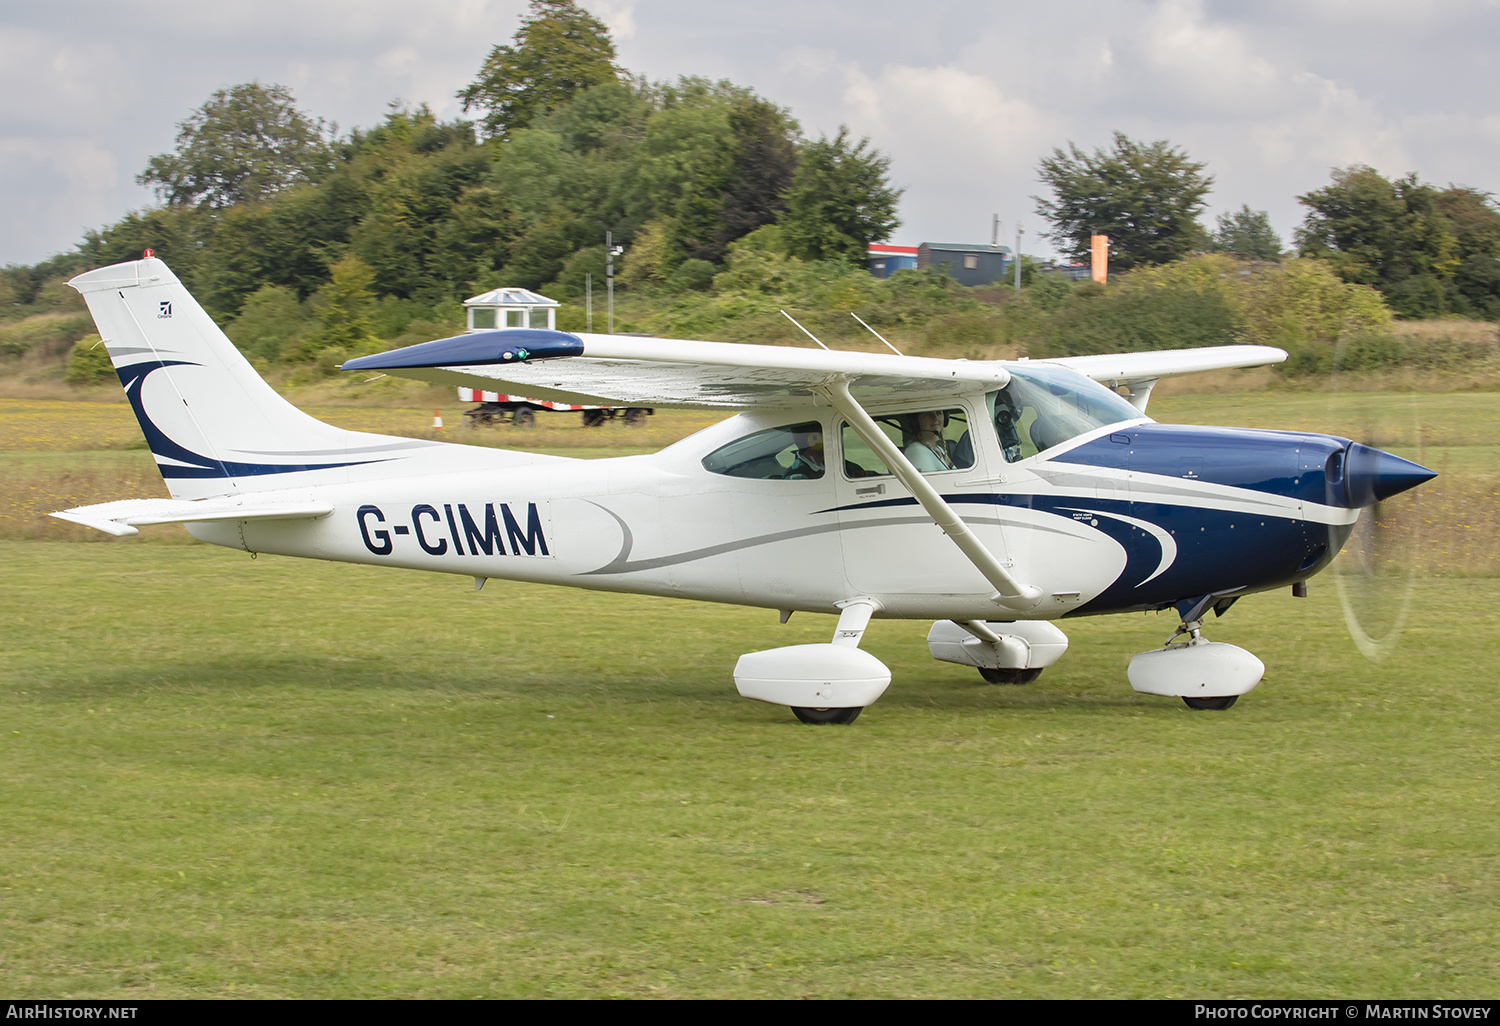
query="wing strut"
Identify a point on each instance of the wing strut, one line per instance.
(1008, 591)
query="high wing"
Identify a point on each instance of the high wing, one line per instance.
(632, 371)
(618, 370)
(1139, 372)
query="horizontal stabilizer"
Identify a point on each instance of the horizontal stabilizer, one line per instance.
(124, 516)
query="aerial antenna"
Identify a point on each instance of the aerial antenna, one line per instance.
(877, 334)
(802, 329)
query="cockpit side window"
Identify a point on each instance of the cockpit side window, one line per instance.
(1046, 406)
(933, 440)
(791, 453)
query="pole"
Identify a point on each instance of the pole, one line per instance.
(994, 229)
(1020, 231)
(588, 298)
(609, 275)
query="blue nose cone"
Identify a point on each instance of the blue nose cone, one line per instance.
(1372, 475)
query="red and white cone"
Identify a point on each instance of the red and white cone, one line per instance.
(437, 420)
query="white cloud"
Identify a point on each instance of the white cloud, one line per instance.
(56, 181)
(1208, 67)
(965, 96)
(619, 15)
(959, 145)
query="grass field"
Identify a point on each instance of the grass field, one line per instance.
(273, 778)
(280, 778)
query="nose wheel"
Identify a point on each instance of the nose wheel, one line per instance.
(807, 715)
(1004, 676)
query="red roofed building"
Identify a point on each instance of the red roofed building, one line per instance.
(885, 259)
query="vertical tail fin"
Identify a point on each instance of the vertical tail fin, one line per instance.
(214, 425)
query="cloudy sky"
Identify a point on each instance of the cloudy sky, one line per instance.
(965, 96)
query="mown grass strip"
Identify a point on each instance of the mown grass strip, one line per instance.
(279, 778)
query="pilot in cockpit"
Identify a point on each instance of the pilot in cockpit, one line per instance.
(926, 447)
(809, 459)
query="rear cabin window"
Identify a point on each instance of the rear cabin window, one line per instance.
(791, 453)
(933, 440)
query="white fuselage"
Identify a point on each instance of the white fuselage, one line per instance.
(663, 525)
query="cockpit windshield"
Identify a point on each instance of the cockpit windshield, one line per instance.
(1046, 405)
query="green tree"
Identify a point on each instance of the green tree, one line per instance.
(651, 256)
(607, 119)
(1389, 234)
(559, 50)
(1247, 233)
(412, 197)
(244, 145)
(764, 163)
(89, 363)
(685, 164)
(346, 301)
(178, 235)
(1303, 307)
(271, 318)
(1145, 196)
(839, 202)
(1475, 225)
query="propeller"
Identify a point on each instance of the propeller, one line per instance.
(1375, 573)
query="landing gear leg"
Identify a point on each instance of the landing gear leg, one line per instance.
(1194, 631)
(851, 629)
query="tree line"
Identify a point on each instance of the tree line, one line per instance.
(263, 203)
(1427, 251)
(312, 245)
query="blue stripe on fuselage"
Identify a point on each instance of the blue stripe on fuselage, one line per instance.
(1217, 550)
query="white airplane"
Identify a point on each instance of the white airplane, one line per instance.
(990, 497)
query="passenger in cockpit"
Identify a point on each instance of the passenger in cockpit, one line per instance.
(927, 449)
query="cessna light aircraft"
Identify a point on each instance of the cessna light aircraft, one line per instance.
(990, 497)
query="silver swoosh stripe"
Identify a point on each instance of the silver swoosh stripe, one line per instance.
(623, 564)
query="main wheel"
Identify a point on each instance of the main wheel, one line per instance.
(1221, 702)
(807, 715)
(523, 419)
(1009, 676)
